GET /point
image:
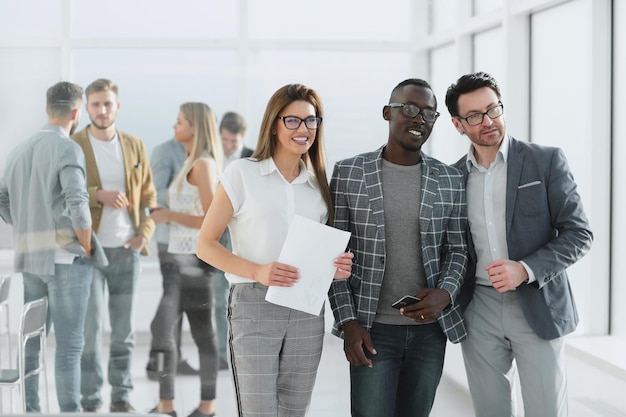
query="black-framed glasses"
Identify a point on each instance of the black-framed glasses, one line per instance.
(412, 110)
(294, 122)
(477, 118)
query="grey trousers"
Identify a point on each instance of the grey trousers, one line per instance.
(498, 334)
(274, 354)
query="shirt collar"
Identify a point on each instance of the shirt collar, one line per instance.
(503, 153)
(55, 128)
(268, 166)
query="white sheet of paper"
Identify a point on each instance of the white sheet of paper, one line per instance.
(311, 247)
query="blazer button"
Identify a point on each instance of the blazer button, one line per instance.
(382, 259)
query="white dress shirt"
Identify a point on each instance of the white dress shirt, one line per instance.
(486, 211)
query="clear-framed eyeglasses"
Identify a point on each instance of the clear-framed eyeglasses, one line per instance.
(294, 122)
(412, 110)
(477, 118)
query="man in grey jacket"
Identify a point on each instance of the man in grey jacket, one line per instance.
(527, 225)
(43, 194)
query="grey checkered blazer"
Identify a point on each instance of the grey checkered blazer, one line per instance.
(356, 186)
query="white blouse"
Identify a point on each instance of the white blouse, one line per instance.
(264, 205)
(187, 200)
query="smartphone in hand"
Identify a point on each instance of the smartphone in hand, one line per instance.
(405, 301)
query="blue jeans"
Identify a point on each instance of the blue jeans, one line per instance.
(121, 277)
(405, 373)
(67, 292)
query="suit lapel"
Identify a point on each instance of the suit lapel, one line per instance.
(514, 170)
(462, 166)
(430, 185)
(90, 159)
(129, 163)
(372, 170)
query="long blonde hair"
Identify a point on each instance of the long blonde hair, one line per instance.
(206, 141)
(315, 156)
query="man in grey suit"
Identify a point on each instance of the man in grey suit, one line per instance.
(527, 225)
(407, 216)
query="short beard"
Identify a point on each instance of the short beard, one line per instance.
(101, 127)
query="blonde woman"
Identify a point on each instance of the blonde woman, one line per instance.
(188, 284)
(274, 350)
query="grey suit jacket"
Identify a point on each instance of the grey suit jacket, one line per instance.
(356, 186)
(546, 228)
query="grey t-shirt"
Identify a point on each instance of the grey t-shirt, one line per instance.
(404, 269)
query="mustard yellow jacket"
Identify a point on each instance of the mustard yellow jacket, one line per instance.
(139, 187)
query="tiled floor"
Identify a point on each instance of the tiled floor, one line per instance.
(330, 397)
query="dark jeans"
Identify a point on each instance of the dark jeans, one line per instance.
(187, 287)
(221, 289)
(405, 373)
(165, 264)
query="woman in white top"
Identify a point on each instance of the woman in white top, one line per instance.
(274, 351)
(188, 288)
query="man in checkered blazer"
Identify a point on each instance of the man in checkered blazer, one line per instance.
(407, 215)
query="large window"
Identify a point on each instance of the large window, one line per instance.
(232, 55)
(157, 20)
(618, 226)
(445, 144)
(556, 89)
(562, 114)
(154, 82)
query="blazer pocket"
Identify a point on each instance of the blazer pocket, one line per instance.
(529, 184)
(532, 198)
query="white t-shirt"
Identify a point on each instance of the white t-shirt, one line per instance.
(264, 205)
(116, 228)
